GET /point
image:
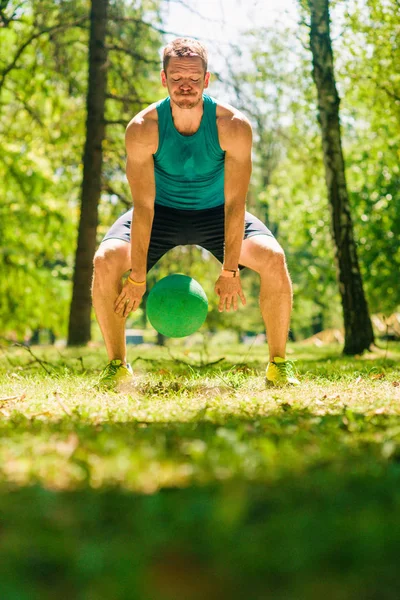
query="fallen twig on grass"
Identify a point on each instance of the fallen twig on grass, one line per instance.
(199, 365)
(8, 359)
(61, 403)
(7, 398)
(80, 358)
(150, 360)
(65, 363)
(36, 359)
(229, 385)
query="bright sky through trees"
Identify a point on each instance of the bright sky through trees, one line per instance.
(220, 22)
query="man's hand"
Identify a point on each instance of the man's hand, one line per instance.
(129, 299)
(228, 290)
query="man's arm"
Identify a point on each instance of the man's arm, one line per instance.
(141, 143)
(237, 142)
(236, 139)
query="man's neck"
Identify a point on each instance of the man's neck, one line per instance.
(187, 120)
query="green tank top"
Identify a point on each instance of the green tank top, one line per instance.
(189, 169)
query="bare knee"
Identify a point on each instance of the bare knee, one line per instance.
(277, 261)
(274, 271)
(111, 261)
(271, 261)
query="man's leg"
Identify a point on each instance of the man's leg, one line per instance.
(111, 261)
(263, 254)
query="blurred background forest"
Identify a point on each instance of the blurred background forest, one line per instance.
(265, 69)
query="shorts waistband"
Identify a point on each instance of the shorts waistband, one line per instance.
(186, 212)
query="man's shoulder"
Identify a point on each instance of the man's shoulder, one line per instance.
(143, 128)
(231, 124)
(225, 110)
(146, 119)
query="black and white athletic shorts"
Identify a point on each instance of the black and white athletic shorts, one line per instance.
(176, 227)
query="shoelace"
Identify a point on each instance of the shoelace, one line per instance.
(109, 371)
(285, 368)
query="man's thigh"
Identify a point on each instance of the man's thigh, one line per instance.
(259, 252)
(212, 237)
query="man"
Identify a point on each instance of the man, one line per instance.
(188, 167)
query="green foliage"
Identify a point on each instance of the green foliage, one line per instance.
(40, 128)
(371, 88)
(43, 79)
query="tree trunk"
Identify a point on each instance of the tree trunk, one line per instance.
(357, 323)
(81, 305)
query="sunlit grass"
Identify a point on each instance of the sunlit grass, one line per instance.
(186, 422)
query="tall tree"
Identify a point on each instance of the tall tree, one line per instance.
(358, 329)
(79, 322)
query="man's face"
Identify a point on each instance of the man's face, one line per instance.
(185, 80)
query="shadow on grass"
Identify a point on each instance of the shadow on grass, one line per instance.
(308, 537)
(290, 506)
(211, 446)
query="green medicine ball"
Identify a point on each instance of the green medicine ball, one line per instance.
(177, 306)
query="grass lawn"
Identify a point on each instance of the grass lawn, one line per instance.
(198, 483)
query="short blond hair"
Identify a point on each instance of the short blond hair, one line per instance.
(185, 47)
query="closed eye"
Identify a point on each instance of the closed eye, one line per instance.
(179, 79)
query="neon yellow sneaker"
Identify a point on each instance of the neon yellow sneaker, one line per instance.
(281, 372)
(115, 374)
